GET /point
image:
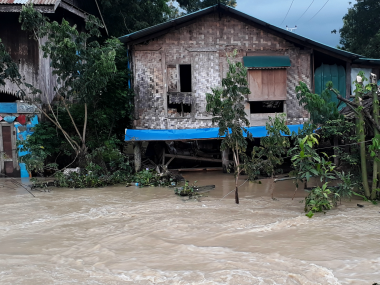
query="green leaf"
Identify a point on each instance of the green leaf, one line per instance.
(310, 214)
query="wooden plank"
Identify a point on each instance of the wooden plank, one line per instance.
(271, 90)
(14, 147)
(312, 70)
(198, 169)
(348, 80)
(280, 80)
(8, 165)
(193, 158)
(255, 84)
(265, 89)
(137, 155)
(7, 142)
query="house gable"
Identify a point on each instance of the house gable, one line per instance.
(204, 44)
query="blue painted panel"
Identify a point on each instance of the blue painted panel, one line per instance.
(8, 107)
(23, 171)
(191, 134)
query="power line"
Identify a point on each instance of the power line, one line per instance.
(305, 10)
(319, 10)
(287, 12)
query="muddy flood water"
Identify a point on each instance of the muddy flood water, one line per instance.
(130, 235)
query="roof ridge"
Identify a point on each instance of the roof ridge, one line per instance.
(145, 33)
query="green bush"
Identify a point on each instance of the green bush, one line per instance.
(150, 177)
(319, 200)
(105, 166)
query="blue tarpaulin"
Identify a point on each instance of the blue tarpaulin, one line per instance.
(191, 134)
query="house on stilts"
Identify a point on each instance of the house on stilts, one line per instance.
(18, 118)
(174, 65)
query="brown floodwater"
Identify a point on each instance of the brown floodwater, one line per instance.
(130, 235)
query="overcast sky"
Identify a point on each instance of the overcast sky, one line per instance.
(318, 28)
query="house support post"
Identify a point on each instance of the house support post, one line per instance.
(137, 154)
(225, 160)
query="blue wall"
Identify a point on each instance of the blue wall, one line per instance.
(22, 136)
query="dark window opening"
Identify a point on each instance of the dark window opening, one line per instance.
(260, 107)
(181, 109)
(7, 98)
(185, 77)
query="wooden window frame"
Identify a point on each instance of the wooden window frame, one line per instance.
(267, 92)
(178, 84)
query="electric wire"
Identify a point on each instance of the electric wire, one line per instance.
(319, 11)
(287, 12)
(307, 9)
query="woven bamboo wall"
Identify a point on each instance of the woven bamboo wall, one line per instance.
(204, 45)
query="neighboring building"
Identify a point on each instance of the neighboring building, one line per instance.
(34, 68)
(176, 63)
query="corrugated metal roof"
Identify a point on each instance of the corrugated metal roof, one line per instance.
(35, 2)
(159, 29)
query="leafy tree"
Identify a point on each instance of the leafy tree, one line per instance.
(361, 29)
(82, 67)
(320, 106)
(269, 155)
(194, 5)
(226, 104)
(127, 16)
(275, 144)
(332, 124)
(45, 142)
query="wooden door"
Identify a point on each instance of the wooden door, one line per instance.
(7, 151)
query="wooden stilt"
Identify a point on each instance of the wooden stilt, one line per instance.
(225, 160)
(137, 153)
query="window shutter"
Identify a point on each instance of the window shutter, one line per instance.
(267, 84)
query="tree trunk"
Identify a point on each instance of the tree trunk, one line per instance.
(82, 161)
(236, 187)
(363, 159)
(374, 181)
(376, 164)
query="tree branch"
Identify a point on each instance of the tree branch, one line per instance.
(72, 120)
(85, 125)
(365, 111)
